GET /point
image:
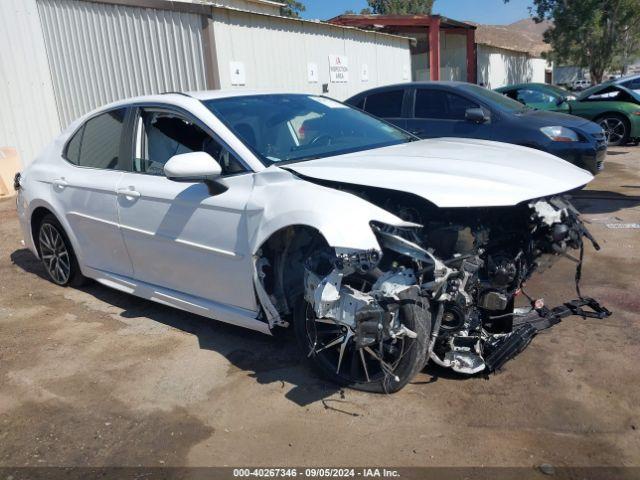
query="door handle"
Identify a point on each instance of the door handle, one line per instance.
(60, 183)
(129, 193)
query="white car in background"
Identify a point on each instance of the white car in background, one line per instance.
(579, 85)
(276, 210)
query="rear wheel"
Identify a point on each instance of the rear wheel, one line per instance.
(56, 253)
(616, 128)
(384, 367)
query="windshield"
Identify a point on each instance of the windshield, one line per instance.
(610, 91)
(559, 90)
(291, 128)
(498, 100)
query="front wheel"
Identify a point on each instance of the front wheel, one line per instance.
(616, 129)
(384, 367)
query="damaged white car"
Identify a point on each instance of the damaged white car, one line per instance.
(274, 211)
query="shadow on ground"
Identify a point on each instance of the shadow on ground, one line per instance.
(267, 359)
(603, 201)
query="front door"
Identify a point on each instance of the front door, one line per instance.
(440, 113)
(179, 235)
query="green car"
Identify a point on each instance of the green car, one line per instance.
(614, 107)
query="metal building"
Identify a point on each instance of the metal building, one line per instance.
(62, 58)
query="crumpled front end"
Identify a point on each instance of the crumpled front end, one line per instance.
(462, 269)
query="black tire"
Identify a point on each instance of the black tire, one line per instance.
(415, 315)
(56, 253)
(616, 127)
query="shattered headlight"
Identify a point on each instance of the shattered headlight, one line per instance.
(560, 134)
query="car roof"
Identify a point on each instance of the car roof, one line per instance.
(204, 95)
(436, 83)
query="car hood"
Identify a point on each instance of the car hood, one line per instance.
(452, 172)
(542, 118)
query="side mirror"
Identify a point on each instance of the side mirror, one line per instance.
(560, 101)
(195, 167)
(476, 115)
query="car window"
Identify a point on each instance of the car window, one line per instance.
(97, 143)
(632, 84)
(360, 103)
(298, 127)
(160, 135)
(527, 95)
(609, 95)
(439, 104)
(385, 104)
(458, 106)
(73, 147)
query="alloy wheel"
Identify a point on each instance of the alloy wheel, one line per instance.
(614, 130)
(54, 254)
(334, 345)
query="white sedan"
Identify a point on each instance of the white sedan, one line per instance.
(272, 211)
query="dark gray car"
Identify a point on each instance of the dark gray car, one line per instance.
(457, 109)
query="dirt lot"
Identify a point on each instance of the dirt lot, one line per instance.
(97, 377)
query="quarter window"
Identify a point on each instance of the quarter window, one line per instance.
(385, 104)
(160, 135)
(97, 143)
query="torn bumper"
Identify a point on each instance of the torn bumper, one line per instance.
(526, 326)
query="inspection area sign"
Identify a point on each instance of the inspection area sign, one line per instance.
(338, 69)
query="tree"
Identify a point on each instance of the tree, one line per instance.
(401, 7)
(596, 34)
(364, 11)
(292, 8)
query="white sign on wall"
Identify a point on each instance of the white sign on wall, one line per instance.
(405, 72)
(238, 74)
(312, 72)
(338, 69)
(364, 74)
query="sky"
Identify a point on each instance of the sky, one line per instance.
(479, 11)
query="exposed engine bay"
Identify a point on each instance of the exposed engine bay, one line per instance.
(466, 265)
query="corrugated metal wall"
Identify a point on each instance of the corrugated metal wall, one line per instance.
(275, 53)
(28, 115)
(99, 53)
(498, 67)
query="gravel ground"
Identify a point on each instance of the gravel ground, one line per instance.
(95, 377)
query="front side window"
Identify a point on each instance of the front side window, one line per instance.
(386, 104)
(296, 127)
(160, 135)
(528, 96)
(438, 104)
(97, 143)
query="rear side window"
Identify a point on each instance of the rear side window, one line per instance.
(385, 104)
(97, 143)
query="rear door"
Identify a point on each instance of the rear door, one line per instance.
(86, 186)
(437, 112)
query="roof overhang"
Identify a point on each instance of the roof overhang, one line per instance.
(393, 21)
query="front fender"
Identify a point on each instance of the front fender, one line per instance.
(280, 199)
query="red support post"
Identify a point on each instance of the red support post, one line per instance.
(472, 58)
(434, 48)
